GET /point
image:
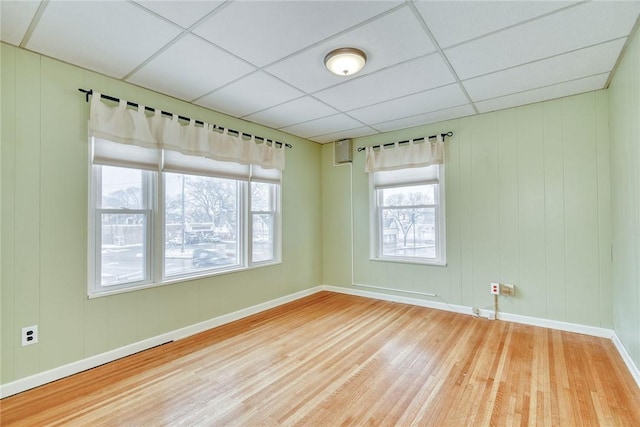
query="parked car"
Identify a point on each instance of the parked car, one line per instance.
(209, 257)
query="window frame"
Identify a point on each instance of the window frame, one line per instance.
(241, 202)
(376, 208)
(274, 203)
(154, 194)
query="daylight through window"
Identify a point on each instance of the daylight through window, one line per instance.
(408, 213)
(156, 221)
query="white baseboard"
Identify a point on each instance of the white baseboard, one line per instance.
(635, 372)
(395, 298)
(54, 374)
(516, 318)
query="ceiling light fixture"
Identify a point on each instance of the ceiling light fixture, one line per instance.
(345, 61)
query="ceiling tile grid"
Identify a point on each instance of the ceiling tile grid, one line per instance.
(265, 31)
(15, 18)
(428, 61)
(108, 37)
(196, 63)
(384, 48)
(252, 93)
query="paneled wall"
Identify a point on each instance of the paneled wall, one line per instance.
(527, 202)
(625, 195)
(44, 226)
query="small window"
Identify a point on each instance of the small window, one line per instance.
(124, 221)
(263, 221)
(408, 215)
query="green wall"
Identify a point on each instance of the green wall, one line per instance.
(533, 198)
(625, 195)
(527, 202)
(44, 173)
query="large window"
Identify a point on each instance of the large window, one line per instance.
(158, 219)
(408, 215)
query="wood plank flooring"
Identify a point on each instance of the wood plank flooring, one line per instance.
(332, 359)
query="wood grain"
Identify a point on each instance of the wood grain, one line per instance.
(332, 359)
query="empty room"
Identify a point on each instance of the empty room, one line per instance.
(299, 212)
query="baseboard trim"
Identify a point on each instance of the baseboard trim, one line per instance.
(54, 374)
(396, 298)
(516, 318)
(633, 368)
(60, 372)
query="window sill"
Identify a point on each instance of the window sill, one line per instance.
(433, 263)
(179, 279)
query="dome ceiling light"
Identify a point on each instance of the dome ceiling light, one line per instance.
(345, 61)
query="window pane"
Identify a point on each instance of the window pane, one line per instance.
(121, 188)
(262, 238)
(123, 249)
(201, 223)
(409, 232)
(261, 197)
(409, 196)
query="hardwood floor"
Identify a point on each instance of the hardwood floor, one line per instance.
(332, 359)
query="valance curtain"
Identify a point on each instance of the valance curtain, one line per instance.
(133, 127)
(409, 155)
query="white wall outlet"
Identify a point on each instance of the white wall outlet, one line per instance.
(29, 335)
(495, 288)
(508, 289)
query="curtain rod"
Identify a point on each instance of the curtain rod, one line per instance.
(449, 134)
(166, 113)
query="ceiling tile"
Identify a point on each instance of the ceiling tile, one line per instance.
(351, 133)
(550, 92)
(383, 48)
(193, 62)
(297, 111)
(409, 77)
(452, 22)
(422, 102)
(110, 37)
(249, 94)
(183, 13)
(561, 32)
(581, 63)
(15, 18)
(422, 119)
(264, 31)
(323, 126)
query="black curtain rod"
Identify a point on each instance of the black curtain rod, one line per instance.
(89, 92)
(449, 134)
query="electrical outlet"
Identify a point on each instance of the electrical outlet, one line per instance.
(495, 288)
(508, 290)
(29, 335)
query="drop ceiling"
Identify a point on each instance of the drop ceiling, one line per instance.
(262, 61)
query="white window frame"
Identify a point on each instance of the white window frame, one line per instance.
(376, 220)
(274, 195)
(149, 186)
(154, 196)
